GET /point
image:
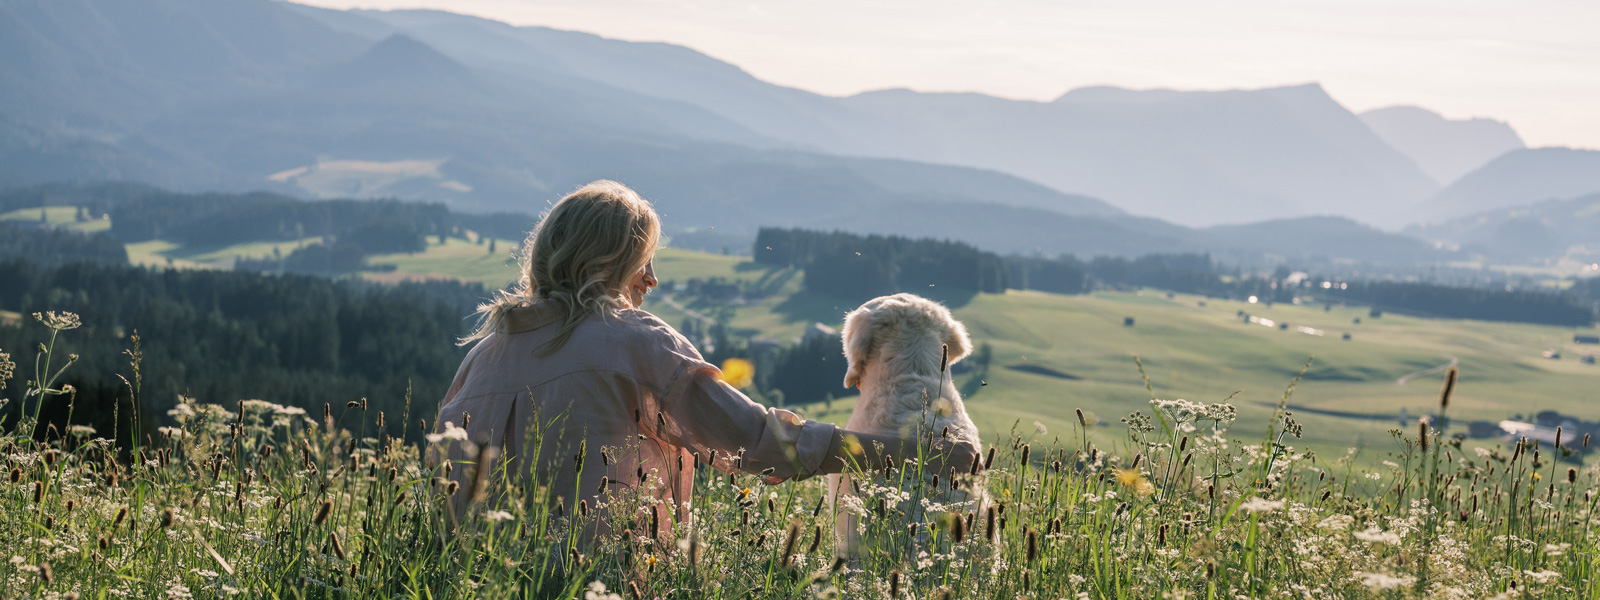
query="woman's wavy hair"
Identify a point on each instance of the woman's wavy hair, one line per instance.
(580, 256)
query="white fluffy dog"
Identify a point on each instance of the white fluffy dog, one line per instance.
(894, 346)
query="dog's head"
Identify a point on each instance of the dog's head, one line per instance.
(901, 327)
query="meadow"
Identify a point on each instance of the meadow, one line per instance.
(261, 500)
(1195, 348)
(1285, 474)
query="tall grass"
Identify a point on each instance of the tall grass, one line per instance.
(260, 500)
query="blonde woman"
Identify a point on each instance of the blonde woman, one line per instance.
(569, 359)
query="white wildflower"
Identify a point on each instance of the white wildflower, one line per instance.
(1384, 581)
(1261, 505)
(1337, 522)
(498, 515)
(597, 591)
(1542, 577)
(1375, 535)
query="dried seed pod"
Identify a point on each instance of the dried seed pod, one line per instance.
(790, 539)
(989, 529)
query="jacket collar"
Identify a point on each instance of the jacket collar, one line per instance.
(528, 318)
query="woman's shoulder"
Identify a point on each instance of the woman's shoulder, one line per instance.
(643, 324)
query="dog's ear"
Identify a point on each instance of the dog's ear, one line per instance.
(858, 338)
(956, 339)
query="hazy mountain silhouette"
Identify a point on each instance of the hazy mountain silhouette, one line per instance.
(1533, 232)
(1446, 149)
(1325, 237)
(1516, 178)
(1190, 157)
(249, 94)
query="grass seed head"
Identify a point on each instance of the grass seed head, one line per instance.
(989, 518)
(16, 474)
(323, 511)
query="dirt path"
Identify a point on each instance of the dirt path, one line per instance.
(688, 311)
(1409, 376)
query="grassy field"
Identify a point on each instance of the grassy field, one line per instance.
(257, 500)
(252, 499)
(59, 216)
(156, 253)
(1192, 348)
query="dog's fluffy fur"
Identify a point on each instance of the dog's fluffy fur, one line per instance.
(893, 346)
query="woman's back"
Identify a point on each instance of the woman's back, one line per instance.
(625, 385)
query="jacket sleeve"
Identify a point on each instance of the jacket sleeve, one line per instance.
(693, 408)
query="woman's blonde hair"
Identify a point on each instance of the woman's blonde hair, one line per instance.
(579, 257)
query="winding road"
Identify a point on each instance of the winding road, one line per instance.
(669, 301)
(1429, 371)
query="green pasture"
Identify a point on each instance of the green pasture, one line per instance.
(59, 216)
(160, 253)
(1054, 354)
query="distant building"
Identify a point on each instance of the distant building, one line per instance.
(1127, 321)
(1546, 436)
(817, 330)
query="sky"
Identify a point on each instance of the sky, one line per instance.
(1534, 63)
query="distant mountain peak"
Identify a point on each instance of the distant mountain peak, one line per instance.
(400, 60)
(1110, 93)
(1445, 149)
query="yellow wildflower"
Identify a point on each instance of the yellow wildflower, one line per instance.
(737, 372)
(1133, 478)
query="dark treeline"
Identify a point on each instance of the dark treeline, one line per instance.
(57, 246)
(225, 336)
(223, 219)
(349, 229)
(854, 266)
(1468, 303)
(512, 226)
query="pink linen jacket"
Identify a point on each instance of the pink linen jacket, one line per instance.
(625, 385)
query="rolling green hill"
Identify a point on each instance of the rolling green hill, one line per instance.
(1053, 354)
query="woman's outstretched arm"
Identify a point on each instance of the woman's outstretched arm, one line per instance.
(870, 452)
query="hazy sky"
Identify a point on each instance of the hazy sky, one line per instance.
(1534, 63)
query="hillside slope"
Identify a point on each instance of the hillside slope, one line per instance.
(1196, 158)
(1517, 178)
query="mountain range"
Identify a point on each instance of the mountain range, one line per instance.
(261, 94)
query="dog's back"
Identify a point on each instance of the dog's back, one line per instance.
(899, 349)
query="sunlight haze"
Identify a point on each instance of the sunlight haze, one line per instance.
(1530, 64)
